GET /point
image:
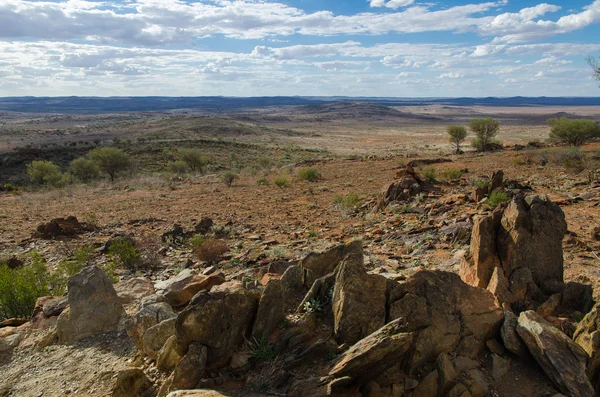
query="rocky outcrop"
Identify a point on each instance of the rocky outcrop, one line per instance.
(316, 265)
(179, 290)
(155, 337)
(150, 314)
(408, 184)
(132, 382)
(525, 242)
(359, 300)
(94, 306)
(59, 227)
(587, 335)
(511, 340)
(449, 315)
(218, 320)
(271, 310)
(134, 289)
(562, 360)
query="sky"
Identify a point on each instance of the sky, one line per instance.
(378, 48)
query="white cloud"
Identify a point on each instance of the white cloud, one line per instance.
(391, 3)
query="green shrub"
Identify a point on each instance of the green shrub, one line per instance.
(261, 349)
(21, 287)
(262, 181)
(196, 241)
(282, 180)
(485, 130)
(178, 167)
(574, 132)
(68, 267)
(310, 174)
(430, 173)
(194, 159)
(347, 203)
(123, 253)
(456, 134)
(85, 169)
(452, 174)
(518, 161)
(228, 177)
(111, 160)
(42, 172)
(497, 197)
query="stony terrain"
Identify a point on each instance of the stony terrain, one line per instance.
(420, 288)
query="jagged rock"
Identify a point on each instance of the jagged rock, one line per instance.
(512, 341)
(459, 232)
(316, 265)
(271, 310)
(408, 184)
(190, 369)
(204, 226)
(428, 386)
(134, 289)
(149, 315)
(156, 336)
(522, 286)
(478, 265)
(562, 360)
(58, 227)
(179, 290)
(131, 382)
(94, 306)
(175, 233)
(495, 347)
(587, 335)
(293, 290)
(206, 393)
(359, 300)
(219, 320)
(448, 314)
(446, 372)
(55, 306)
(372, 355)
(531, 234)
(497, 180)
(168, 356)
(500, 366)
(319, 291)
(550, 307)
(577, 297)
(499, 286)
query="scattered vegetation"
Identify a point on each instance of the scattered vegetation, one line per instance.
(310, 174)
(211, 250)
(228, 177)
(314, 305)
(347, 203)
(194, 159)
(282, 180)
(485, 130)
(111, 160)
(123, 253)
(497, 197)
(261, 349)
(42, 172)
(573, 132)
(457, 134)
(84, 169)
(262, 181)
(452, 174)
(430, 173)
(178, 167)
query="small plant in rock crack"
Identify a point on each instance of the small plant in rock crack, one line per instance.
(314, 305)
(262, 349)
(259, 385)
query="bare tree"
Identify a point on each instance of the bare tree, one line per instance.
(595, 64)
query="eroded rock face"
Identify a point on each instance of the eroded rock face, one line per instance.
(218, 320)
(448, 314)
(179, 290)
(317, 265)
(587, 335)
(156, 336)
(271, 310)
(149, 315)
(94, 306)
(525, 242)
(563, 360)
(359, 300)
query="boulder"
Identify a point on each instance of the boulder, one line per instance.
(94, 306)
(446, 314)
(55, 306)
(181, 289)
(359, 300)
(148, 316)
(563, 360)
(587, 335)
(155, 337)
(58, 227)
(204, 226)
(219, 321)
(131, 382)
(512, 341)
(292, 288)
(134, 289)
(428, 386)
(478, 265)
(530, 235)
(190, 369)
(499, 286)
(316, 265)
(372, 355)
(271, 310)
(168, 356)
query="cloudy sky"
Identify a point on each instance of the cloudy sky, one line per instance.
(406, 48)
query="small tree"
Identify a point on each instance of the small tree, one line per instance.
(194, 159)
(457, 134)
(595, 64)
(42, 172)
(228, 177)
(85, 169)
(110, 160)
(485, 129)
(574, 132)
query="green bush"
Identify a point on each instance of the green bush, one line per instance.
(485, 130)
(228, 177)
(42, 172)
(194, 159)
(518, 161)
(178, 167)
(497, 197)
(457, 134)
(348, 202)
(196, 241)
(111, 160)
(85, 169)
(261, 349)
(123, 253)
(263, 181)
(282, 180)
(430, 173)
(21, 287)
(574, 132)
(310, 174)
(452, 174)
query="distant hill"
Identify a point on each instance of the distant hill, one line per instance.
(224, 104)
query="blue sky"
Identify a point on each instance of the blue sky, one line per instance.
(404, 48)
